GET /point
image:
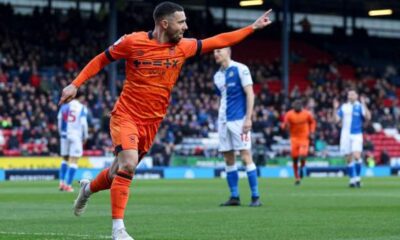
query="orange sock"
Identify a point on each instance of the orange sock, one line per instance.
(120, 193)
(101, 182)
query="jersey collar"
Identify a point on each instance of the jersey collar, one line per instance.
(229, 65)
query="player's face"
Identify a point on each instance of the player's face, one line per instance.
(297, 106)
(176, 27)
(221, 55)
(352, 96)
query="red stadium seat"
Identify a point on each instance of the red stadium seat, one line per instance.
(93, 153)
(257, 88)
(347, 72)
(12, 153)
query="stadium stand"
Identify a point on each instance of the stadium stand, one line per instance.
(34, 68)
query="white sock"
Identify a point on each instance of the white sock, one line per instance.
(230, 168)
(118, 224)
(73, 165)
(250, 167)
(353, 180)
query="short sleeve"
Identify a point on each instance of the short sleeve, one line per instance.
(190, 47)
(340, 112)
(245, 76)
(59, 114)
(121, 49)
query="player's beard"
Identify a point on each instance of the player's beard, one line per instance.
(173, 36)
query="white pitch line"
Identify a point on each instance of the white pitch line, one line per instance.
(57, 235)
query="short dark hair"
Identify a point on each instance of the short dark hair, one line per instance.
(297, 102)
(164, 9)
(352, 89)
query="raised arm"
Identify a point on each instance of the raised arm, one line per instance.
(231, 38)
(121, 49)
(91, 69)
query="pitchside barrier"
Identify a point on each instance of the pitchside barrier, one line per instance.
(46, 168)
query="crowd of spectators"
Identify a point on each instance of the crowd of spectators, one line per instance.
(41, 53)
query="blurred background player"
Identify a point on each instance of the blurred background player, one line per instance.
(235, 87)
(73, 129)
(152, 68)
(301, 125)
(352, 115)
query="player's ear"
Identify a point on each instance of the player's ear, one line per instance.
(164, 23)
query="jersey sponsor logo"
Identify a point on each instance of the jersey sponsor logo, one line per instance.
(232, 84)
(173, 63)
(139, 53)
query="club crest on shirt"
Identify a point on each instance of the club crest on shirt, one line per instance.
(139, 53)
(231, 74)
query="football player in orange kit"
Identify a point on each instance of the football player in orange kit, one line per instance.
(153, 63)
(301, 125)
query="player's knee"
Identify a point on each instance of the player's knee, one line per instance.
(73, 159)
(356, 156)
(229, 161)
(128, 167)
(229, 158)
(246, 156)
(128, 160)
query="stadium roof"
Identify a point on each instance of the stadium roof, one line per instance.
(358, 8)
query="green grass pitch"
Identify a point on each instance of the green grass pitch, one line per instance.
(322, 208)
